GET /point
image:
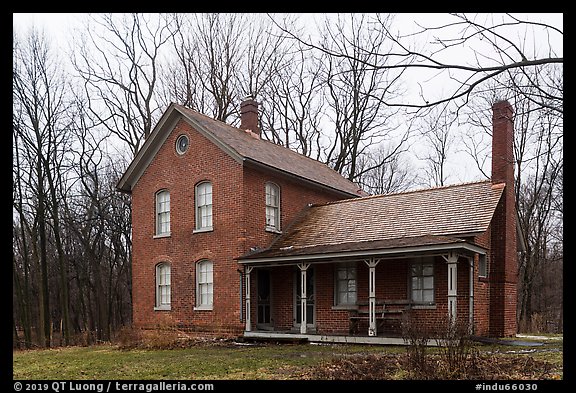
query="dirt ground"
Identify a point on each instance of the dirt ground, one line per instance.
(477, 367)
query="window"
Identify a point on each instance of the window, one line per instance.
(163, 212)
(483, 265)
(182, 144)
(162, 286)
(422, 282)
(272, 207)
(204, 206)
(204, 285)
(345, 285)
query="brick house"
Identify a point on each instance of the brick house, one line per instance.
(234, 234)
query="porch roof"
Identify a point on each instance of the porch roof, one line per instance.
(430, 219)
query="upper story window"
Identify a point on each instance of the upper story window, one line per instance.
(204, 206)
(422, 282)
(272, 207)
(482, 265)
(345, 292)
(204, 285)
(163, 286)
(163, 212)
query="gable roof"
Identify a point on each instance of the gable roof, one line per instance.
(244, 147)
(429, 217)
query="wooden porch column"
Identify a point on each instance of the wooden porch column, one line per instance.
(248, 311)
(452, 258)
(303, 322)
(471, 298)
(372, 262)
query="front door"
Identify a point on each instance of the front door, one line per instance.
(310, 298)
(264, 291)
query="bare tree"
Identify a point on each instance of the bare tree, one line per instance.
(118, 59)
(438, 143)
(294, 108)
(495, 43)
(355, 93)
(222, 58)
(209, 49)
(37, 94)
(390, 172)
(58, 152)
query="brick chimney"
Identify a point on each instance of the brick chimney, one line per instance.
(504, 257)
(249, 115)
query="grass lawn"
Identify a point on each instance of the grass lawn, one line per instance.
(212, 362)
(281, 361)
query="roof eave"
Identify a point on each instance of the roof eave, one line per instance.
(157, 138)
(146, 153)
(398, 252)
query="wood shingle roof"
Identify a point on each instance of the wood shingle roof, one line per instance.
(439, 215)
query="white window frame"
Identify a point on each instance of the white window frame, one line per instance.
(351, 275)
(163, 287)
(272, 210)
(483, 265)
(419, 266)
(205, 209)
(204, 284)
(162, 212)
(178, 149)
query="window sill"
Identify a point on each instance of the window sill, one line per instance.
(347, 307)
(423, 306)
(202, 230)
(273, 230)
(203, 308)
(163, 308)
(483, 279)
(161, 236)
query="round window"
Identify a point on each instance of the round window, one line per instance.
(182, 144)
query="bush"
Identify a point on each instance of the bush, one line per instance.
(129, 337)
(416, 338)
(457, 354)
(457, 351)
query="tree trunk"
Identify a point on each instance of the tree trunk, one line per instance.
(64, 298)
(44, 292)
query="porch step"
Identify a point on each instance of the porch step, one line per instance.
(275, 338)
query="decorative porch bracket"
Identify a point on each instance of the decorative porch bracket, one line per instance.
(303, 322)
(372, 263)
(452, 259)
(248, 311)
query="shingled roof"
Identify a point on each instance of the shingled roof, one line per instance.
(435, 216)
(243, 146)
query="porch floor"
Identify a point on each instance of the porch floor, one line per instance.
(327, 338)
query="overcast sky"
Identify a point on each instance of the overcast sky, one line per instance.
(59, 26)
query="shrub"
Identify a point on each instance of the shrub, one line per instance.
(458, 354)
(416, 338)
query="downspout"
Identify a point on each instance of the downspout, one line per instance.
(241, 294)
(471, 300)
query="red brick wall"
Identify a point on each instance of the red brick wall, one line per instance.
(183, 249)
(481, 290)
(238, 221)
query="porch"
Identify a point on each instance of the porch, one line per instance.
(346, 299)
